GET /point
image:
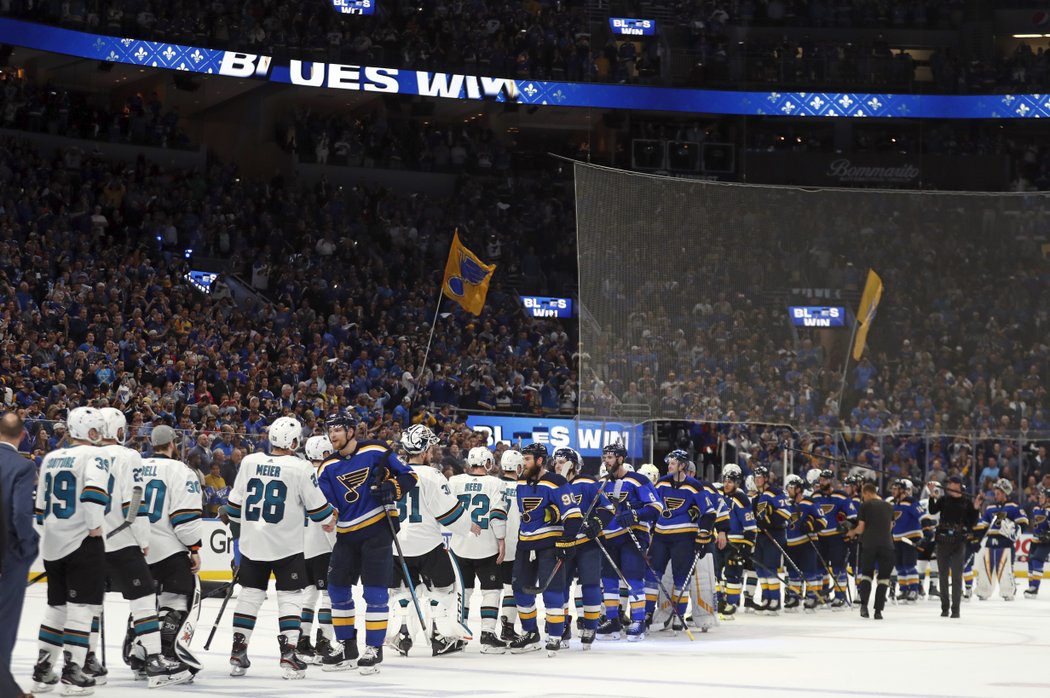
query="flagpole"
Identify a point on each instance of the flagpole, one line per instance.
(845, 365)
(430, 339)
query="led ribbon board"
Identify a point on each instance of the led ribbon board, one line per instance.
(470, 87)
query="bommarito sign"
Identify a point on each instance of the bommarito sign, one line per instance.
(889, 170)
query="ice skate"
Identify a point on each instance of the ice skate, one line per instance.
(528, 641)
(490, 644)
(370, 660)
(161, 671)
(239, 661)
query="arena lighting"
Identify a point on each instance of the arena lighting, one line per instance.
(396, 81)
(1030, 36)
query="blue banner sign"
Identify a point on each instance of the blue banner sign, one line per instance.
(817, 316)
(472, 87)
(540, 306)
(632, 27)
(586, 436)
(354, 7)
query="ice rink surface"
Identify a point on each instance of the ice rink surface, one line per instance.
(996, 649)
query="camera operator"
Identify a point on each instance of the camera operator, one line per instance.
(958, 517)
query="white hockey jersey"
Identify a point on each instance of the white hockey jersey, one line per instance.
(510, 505)
(482, 497)
(424, 510)
(171, 497)
(317, 541)
(269, 498)
(72, 495)
(125, 474)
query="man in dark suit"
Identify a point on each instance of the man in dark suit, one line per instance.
(17, 480)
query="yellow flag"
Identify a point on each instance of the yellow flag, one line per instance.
(466, 277)
(869, 304)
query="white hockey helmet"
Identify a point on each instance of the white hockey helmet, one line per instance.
(794, 481)
(906, 485)
(732, 471)
(650, 471)
(1005, 486)
(480, 457)
(813, 476)
(417, 439)
(286, 433)
(116, 425)
(511, 462)
(82, 420)
(749, 484)
(628, 467)
(318, 448)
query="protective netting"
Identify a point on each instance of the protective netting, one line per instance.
(685, 290)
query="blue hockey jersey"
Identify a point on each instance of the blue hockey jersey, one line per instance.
(772, 510)
(836, 507)
(1040, 521)
(907, 520)
(992, 521)
(548, 512)
(346, 482)
(636, 492)
(742, 529)
(584, 489)
(806, 519)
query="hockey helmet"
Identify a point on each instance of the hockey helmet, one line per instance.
(417, 439)
(536, 450)
(511, 462)
(794, 481)
(82, 420)
(116, 425)
(318, 448)
(616, 449)
(480, 457)
(650, 471)
(732, 471)
(760, 471)
(285, 432)
(678, 454)
(1005, 486)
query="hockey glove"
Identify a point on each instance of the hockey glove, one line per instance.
(627, 517)
(565, 549)
(592, 527)
(386, 492)
(701, 549)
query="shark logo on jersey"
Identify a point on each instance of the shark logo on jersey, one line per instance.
(529, 504)
(351, 481)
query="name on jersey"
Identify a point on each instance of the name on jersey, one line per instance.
(268, 470)
(61, 462)
(149, 471)
(473, 487)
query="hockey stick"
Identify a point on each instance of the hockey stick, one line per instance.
(222, 609)
(102, 629)
(536, 590)
(827, 568)
(612, 563)
(133, 512)
(408, 578)
(36, 579)
(659, 581)
(792, 563)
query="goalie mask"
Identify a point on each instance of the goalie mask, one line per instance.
(418, 439)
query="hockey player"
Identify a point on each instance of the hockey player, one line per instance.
(423, 512)
(550, 522)
(269, 499)
(836, 507)
(806, 521)
(71, 500)
(1003, 520)
(772, 515)
(361, 479)
(510, 466)
(852, 485)
(173, 503)
(741, 538)
(637, 506)
(684, 530)
(126, 565)
(479, 556)
(907, 532)
(1039, 548)
(586, 565)
(927, 547)
(318, 552)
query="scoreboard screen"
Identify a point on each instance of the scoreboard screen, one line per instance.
(354, 7)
